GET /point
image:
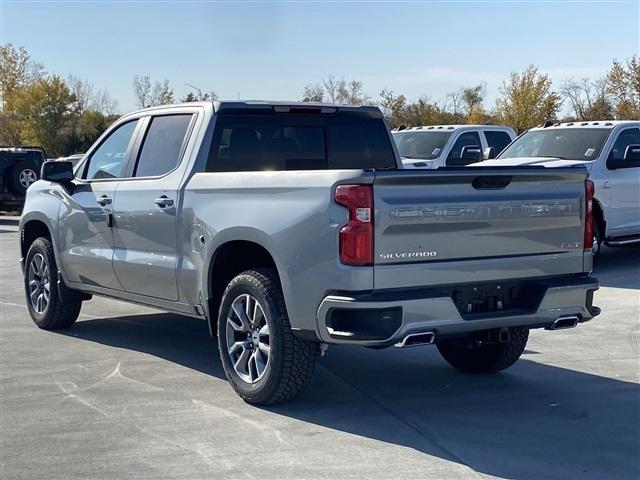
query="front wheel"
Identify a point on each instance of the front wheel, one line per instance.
(471, 355)
(262, 359)
(49, 307)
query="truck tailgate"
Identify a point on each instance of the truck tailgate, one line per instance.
(451, 226)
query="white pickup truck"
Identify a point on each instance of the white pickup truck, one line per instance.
(610, 150)
(437, 146)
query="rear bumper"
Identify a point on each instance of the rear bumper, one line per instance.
(383, 319)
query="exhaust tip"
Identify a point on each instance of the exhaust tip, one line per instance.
(416, 339)
(562, 323)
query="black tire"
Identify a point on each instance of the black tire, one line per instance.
(63, 305)
(291, 360)
(20, 175)
(471, 356)
(598, 237)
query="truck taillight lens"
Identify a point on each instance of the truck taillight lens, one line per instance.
(356, 237)
(589, 222)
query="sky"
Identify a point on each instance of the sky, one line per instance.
(271, 50)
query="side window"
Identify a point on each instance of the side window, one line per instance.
(465, 140)
(108, 161)
(630, 136)
(497, 140)
(162, 145)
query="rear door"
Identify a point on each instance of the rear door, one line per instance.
(86, 238)
(624, 183)
(145, 224)
(466, 224)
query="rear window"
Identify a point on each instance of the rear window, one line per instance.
(498, 140)
(299, 142)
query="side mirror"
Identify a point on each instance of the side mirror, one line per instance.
(471, 154)
(489, 153)
(632, 153)
(57, 171)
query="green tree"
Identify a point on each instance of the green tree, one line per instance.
(17, 71)
(527, 100)
(43, 110)
(624, 87)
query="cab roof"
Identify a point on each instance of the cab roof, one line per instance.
(449, 128)
(608, 124)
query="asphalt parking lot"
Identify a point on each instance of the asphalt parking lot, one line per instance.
(131, 392)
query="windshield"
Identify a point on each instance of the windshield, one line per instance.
(564, 143)
(423, 145)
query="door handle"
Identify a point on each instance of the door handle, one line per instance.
(104, 200)
(163, 201)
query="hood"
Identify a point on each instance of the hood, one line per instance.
(521, 161)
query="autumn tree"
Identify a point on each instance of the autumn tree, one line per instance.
(624, 87)
(43, 111)
(527, 100)
(588, 99)
(17, 71)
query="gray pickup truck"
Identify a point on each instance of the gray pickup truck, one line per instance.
(289, 227)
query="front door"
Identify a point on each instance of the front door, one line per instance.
(86, 236)
(146, 237)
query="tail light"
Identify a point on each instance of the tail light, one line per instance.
(589, 222)
(356, 237)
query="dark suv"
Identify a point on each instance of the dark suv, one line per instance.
(20, 167)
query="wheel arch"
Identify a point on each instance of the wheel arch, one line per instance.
(228, 260)
(598, 215)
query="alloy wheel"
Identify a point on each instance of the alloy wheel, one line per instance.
(39, 288)
(27, 177)
(247, 336)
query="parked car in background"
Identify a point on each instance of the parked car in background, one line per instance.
(450, 145)
(20, 167)
(289, 227)
(610, 151)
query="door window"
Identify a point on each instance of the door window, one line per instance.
(630, 136)
(497, 140)
(162, 145)
(467, 139)
(109, 160)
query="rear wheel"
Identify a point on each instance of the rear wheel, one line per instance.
(22, 176)
(262, 359)
(471, 355)
(51, 305)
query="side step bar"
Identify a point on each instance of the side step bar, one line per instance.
(613, 242)
(562, 323)
(416, 339)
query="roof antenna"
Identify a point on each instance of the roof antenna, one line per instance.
(547, 123)
(402, 127)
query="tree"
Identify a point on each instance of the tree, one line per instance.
(588, 99)
(199, 95)
(162, 93)
(527, 100)
(624, 87)
(17, 71)
(337, 91)
(313, 92)
(43, 110)
(393, 107)
(142, 91)
(149, 95)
